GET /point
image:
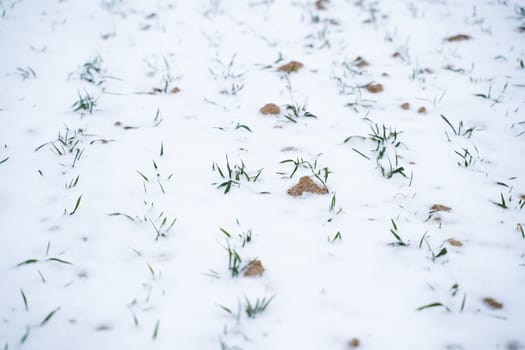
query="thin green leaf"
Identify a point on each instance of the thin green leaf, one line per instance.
(143, 176)
(27, 262)
(463, 303)
(225, 232)
(77, 204)
(442, 252)
(24, 298)
(424, 307)
(156, 330)
(25, 336)
(48, 317)
(60, 261)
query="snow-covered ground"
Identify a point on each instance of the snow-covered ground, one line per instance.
(119, 120)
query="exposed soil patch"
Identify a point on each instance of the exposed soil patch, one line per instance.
(360, 62)
(292, 66)
(354, 343)
(440, 207)
(459, 37)
(455, 242)
(270, 108)
(254, 269)
(398, 55)
(175, 90)
(306, 184)
(405, 106)
(320, 4)
(422, 110)
(492, 303)
(374, 88)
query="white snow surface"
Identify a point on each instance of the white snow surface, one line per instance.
(92, 279)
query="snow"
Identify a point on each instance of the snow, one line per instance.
(114, 282)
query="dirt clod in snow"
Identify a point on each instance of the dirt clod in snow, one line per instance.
(354, 343)
(175, 90)
(398, 55)
(455, 242)
(306, 184)
(320, 4)
(440, 207)
(270, 108)
(405, 106)
(360, 62)
(374, 88)
(459, 37)
(422, 110)
(492, 303)
(292, 66)
(254, 269)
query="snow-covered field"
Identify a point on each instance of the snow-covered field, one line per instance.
(146, 201)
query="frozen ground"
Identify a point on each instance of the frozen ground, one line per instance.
(419, 243)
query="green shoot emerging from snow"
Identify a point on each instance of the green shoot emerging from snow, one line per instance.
(86, 103)
(296, 111)
(232, 175)
(394, 231)
(254, 309)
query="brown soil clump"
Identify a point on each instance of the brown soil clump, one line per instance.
(292, 66)
(374, 88)
(354, 343)
(320, 4)
(422, 110)
(492, 303)
(360, 62)
(405, 106)
(306, 184)
(459, 37)
(254, 269)
(455, 242)
(270, 108)
(440, 207)
(175, 90)
(398, 55)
